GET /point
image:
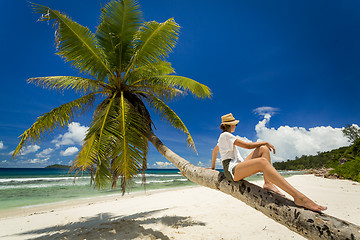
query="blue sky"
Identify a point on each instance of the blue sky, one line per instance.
(288, 70)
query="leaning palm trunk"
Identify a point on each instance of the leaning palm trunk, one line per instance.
(309, 224)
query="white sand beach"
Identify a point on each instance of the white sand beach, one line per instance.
(186, 213)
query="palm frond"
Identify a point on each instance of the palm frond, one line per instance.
(166, 93)
(57, 118)
(132, 146)
(102, 174)
(138, 105)
(77, 84)
(76, 43)
(115, 142)
(87, 155)
(153, 42)
(196, 88)
(171, 117)
(120, 20)
(97, 147)
(148, 71)
(144, 163)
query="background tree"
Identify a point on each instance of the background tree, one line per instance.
(352, 132)
(126, 71)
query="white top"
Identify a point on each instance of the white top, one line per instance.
(227, 148)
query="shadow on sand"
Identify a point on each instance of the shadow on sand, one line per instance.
(107, 226)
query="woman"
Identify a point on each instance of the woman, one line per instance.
(236, 168)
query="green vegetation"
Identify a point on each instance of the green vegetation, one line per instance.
(351, 132)
(349, 170)
(345, 162)
(123, 67)
(58, 166)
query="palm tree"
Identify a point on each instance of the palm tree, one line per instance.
(127, 73)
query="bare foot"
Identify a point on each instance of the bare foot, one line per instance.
(309, 204)
(272, 188)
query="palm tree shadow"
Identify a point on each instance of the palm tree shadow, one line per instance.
(107, 226)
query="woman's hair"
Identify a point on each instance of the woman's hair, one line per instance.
(225, 127)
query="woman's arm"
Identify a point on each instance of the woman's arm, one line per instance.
(251, 145)
(214, 156)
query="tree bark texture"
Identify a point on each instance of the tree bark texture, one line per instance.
(309, 224)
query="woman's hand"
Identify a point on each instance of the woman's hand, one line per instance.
(270, 147)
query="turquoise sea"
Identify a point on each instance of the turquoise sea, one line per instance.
(20, 187)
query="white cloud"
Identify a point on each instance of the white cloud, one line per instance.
(1, 145)
(218, 163)
(163, 165)
(75, 135)
(44, 153)
(262, 111)
(69, 151)
(200, 164)
(28, 149)
(37, 160)
(290, 142)
(24, 163)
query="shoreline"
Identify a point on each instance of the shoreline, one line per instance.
(48, 207)
(190, 212)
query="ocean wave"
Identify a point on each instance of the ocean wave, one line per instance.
(290, 172)
(159, 175)
(8, 180)
(163, 181)
(50, 179)
(43, 185)
(78, 183)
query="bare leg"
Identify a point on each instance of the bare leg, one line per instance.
(248, 168)
(263, 151)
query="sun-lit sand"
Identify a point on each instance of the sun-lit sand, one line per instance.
(186, 213)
